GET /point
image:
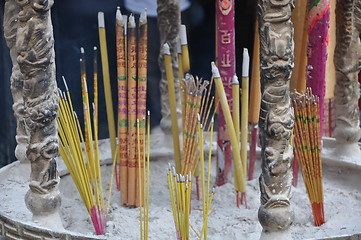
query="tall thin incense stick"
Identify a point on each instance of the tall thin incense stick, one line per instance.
(142, 89)
(241, 181)
(173, 107)
(106, 81)
(132, 112)
(122, 173)
(244, 121)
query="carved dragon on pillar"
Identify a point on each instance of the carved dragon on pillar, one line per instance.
(34, 53)
(276, 117)
(168, 23)
(16, 80)
(347, 61)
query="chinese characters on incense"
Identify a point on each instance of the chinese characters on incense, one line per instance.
(132, 87)
(225, 49)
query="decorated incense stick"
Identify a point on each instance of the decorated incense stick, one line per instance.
(226, 63)
(106, 81)
(142, 91)
(308, 149)
(173, 106)
(132, 113)
(238, 167)
(147, 181)
(317, 26)
(122, 173)
(255, 101)
(244, 121)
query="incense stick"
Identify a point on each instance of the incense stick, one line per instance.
(122, 173)
(173, 107)
(106, 81)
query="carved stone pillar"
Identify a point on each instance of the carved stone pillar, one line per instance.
(276, 116)
(36, 59)
(347, 61)
(10, 29)
(168, 23)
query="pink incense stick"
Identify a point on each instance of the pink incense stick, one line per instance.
(226, 64)
(318, 19)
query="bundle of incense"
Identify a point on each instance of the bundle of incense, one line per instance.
(194, 88)
(317, 27)
(122, 168)
(84, 168)
(144, 183)
(226, 61)
(307, 144)
(132, 90)
(106, 81)
(240, 180)
(180, 189)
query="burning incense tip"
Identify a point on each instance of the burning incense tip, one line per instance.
(199, 117)
(65, 84)
(60, 93)
(125, 25)
(82, 50)
(215, 70)
(131, 20)
(118, 15)
(95, 48)
(93, 106)
(245, 64)
(235, 80)
(101, 23)
(183, 35)
(148, 113)
(166, 49)
(75, 115)
(143, 16)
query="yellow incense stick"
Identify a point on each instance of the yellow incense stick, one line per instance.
(185, 52)
(244, 120)
(106, 81)
(238, 166)
(173, 106)
(235, 113)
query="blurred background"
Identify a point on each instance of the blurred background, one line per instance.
(75, 25)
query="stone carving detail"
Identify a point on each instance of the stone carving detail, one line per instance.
(34, 52)
(276, 116)
(168, 24)
(347, 61)
(16, 79)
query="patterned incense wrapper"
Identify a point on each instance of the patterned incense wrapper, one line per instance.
(132, 111)
(317, 26)
(142, 91)
(122, 167)
(226, 65)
